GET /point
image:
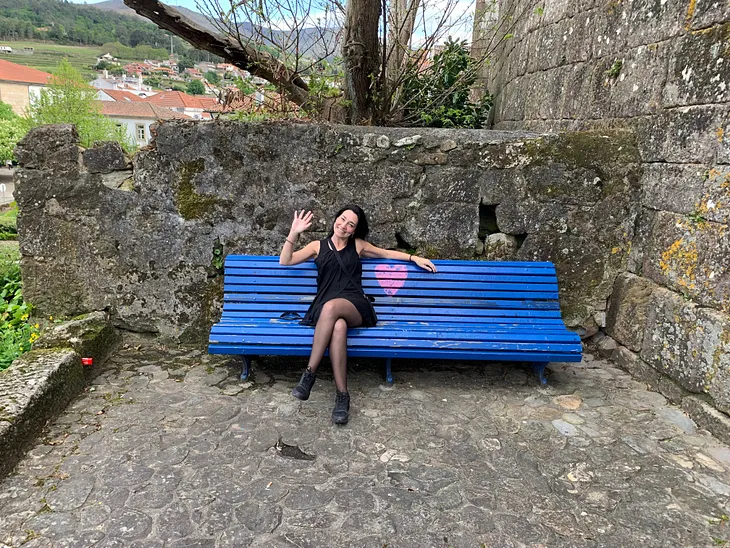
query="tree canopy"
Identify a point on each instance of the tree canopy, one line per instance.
(68, 99)
(376, 50)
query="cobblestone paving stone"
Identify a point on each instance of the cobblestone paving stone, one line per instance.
(167, 448)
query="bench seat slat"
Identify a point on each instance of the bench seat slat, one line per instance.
(246, 332)
(405, 343)
(482, 267)
(404, 353)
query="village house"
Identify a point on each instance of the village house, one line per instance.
(195, 107)
(20, 85)
(136, 117)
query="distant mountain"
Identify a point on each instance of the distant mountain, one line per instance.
(119, 6)
(313, 42)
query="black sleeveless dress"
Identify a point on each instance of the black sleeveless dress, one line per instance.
(332, 282)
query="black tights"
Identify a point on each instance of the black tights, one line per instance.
(331, 330)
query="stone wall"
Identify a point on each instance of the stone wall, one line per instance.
(661, 69)
(144, 240)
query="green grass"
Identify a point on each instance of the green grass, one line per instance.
(47, 55)
(9, 254)
(8, 220)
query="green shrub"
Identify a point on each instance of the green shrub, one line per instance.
(439, 96)
(8, 219)
(16, 333)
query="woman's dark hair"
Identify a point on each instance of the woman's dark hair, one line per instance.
(362, 229)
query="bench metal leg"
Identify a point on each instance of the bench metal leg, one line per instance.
(539, 369)
(388, 372)
(246, 369)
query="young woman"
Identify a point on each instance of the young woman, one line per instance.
(339, 304)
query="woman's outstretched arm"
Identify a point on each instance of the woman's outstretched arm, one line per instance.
(288, 257)
(366, 249)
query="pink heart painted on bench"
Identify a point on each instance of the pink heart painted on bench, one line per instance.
(391, 278)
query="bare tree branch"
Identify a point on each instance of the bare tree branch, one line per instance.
(258, 63)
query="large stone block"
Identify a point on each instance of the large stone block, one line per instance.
(651, 22)
(714, 204)
(629, 85)
(691, 135)
(673, 187)
(703, 14)
(104, 157)
(608, 30)
(690, 344)
(628, 310)
(698, 68)
(691, 256)
(54, 147)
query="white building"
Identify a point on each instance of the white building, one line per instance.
(137, 117)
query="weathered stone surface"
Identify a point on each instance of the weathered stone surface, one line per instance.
(90, 336)
(698, 68)
(709, 417)
(500, 247)
(37, 387)
(148, 256)
(50, 147)
(686, 135)
(714, 204)
(628, 310)
(593, 454)
(673, 187)
(105, 157)
(691, 256)
(690, 344)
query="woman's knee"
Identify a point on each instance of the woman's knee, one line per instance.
(340, 328)
(329, 311)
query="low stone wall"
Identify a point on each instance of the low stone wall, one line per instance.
(39, 384)
(661, 70)
(146, 243)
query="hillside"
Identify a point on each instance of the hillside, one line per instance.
(109, 21)
(315, 42)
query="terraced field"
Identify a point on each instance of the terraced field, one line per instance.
(47, 55)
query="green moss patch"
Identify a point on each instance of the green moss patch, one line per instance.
(190, 204)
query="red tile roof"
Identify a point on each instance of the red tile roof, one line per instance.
(122, 95)
(178, 99)
(139, 110)
(12, 72)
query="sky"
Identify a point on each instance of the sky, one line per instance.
(459, 28)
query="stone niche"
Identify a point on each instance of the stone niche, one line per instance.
(145, 239)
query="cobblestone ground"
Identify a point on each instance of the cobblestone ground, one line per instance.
(169, 448)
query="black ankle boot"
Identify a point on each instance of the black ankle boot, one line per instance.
(341, 412)
(301, 391)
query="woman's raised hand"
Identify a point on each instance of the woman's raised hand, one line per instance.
(302, 221)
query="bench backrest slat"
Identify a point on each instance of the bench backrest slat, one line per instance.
(462, 291)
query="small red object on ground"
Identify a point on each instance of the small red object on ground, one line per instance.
(87, 361)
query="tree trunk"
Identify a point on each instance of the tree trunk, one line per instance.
(360, 54)
(402, 20)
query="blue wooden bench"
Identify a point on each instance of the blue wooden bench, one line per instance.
(469, 310)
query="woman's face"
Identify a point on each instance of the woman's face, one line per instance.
(346, 224)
